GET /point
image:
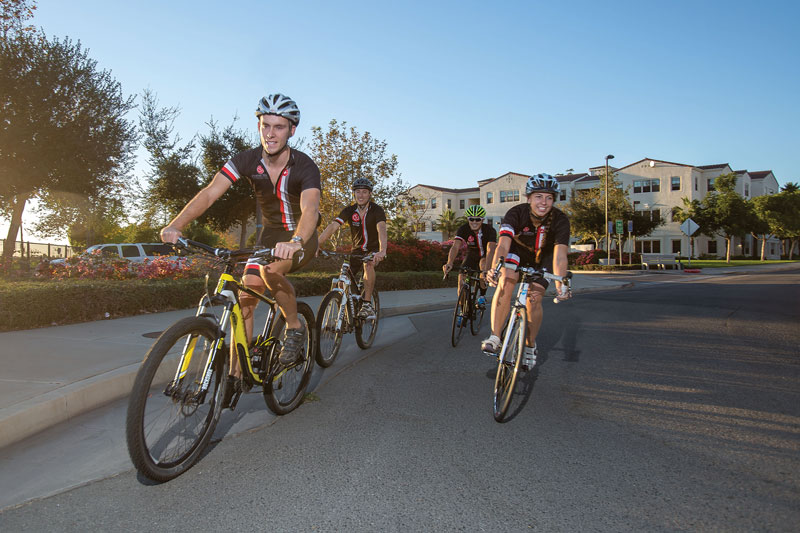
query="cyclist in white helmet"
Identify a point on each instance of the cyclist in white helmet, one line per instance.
(480, 240)
(531, 234)
(367, 221)
(287, 185)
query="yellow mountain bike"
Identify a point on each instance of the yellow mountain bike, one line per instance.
(177, 396)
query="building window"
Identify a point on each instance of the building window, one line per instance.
(433, 203)
(676, 246)
(712, 247)
(695, 184)
(562, 195)
(747, 189)
(675, 183)
(646, 186)
(509, 196)
(648, 247)
(489, 221)
(461, 204)
(489, 197)
(710, 186)
(449, 203)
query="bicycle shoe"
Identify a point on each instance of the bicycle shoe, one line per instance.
(293, 340)
(481, 302)
(233, 386)
(366, 311)
(529, 358)
(491, 345)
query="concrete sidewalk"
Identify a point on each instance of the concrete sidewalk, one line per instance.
(53, 374)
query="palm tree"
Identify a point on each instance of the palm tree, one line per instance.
(791, 186)
(449, 224)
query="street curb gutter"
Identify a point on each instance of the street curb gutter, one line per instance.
(36, 414)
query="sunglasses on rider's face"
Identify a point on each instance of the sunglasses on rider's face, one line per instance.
(474, 219)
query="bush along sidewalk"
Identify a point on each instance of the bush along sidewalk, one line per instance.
(35, 304)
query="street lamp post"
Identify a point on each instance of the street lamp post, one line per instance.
(608, 241)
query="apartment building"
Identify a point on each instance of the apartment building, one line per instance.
(655, 187)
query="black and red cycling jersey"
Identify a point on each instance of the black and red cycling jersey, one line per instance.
(476, 241)
(280, 202)
(529, 236)
(364, 232)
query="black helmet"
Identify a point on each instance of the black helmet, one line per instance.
(362, 183)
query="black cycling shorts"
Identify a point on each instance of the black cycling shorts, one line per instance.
(271, 238)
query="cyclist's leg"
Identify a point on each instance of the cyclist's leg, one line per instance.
(369, 281)
(252, 280)
(501, 302)
(274, 274)
(535, 313)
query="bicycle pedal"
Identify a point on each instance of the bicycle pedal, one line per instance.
(234, 400)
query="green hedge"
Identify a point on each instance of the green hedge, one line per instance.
(33, 304)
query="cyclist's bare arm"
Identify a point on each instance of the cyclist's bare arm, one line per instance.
(503, 246)
(309, 206)
(196, 207)
(451, 256)
(485, 262)
(560, 264)
(326, 234)
(383, 242)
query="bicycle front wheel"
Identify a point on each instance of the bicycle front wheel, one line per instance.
(508, 363)
(284, 390)
(328, 332)
(367, 328)
(170, 417)
(460, 317)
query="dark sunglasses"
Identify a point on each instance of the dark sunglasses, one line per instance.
(475, 219)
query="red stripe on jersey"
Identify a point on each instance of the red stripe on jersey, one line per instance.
(507, 233)
(228, 174)
(281, 207)
(512, 261)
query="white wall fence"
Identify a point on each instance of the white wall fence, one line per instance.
(39, 249)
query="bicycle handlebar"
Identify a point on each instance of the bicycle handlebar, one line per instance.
(566, 279)
(366, 258)
(261, 255)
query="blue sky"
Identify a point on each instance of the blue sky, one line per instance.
(463, 91)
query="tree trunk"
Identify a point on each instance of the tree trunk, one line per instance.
(764, 248)
(727, 249)
(14, 227)
(791, 249)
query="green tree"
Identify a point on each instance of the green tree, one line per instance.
(790, 187)
(63, 135)
(782, 214)
(343, 154)
(399, 230)
(724, 212)
(692, 209)
(449, 223)
(238, 205)
(174, 178)
(758, 224)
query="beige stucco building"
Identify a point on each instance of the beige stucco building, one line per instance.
(654, 186)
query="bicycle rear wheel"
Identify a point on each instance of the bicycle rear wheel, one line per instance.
(329, 334)
(367, 328)
(508, 363)
(460, 317)
(477, 313)
(169, 420)
(284, 390)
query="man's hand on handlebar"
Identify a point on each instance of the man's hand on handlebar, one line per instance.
(170, 235)
(286, 250)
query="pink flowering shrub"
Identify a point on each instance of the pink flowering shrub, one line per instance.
(99, 266)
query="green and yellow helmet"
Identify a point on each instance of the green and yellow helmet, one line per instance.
(475, 211)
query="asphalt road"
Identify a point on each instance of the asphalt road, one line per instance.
(663, 407)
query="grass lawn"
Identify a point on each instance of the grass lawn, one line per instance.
(718, 263)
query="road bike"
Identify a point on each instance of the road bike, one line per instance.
(467, 308)
(515, 331)
(338, 312)
(178, 392)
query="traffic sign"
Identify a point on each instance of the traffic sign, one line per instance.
(630, 226)
(689, 227)
(619, 227)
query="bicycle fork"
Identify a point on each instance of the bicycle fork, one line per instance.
(520, 300)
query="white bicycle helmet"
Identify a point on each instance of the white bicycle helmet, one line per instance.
(542, 183)
(278, 104)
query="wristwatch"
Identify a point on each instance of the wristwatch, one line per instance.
(297, 238)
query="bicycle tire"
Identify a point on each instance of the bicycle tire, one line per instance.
(508, 363)
(167, 430)
(284, 391)
(366, 329)
(477, 313)
(458, 312)
(330, 339)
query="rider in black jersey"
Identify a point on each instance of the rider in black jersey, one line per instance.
(367, 221)
(480, 240)
(531, 234)
(287, 185)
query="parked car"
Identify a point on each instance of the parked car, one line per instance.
(136, 252)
